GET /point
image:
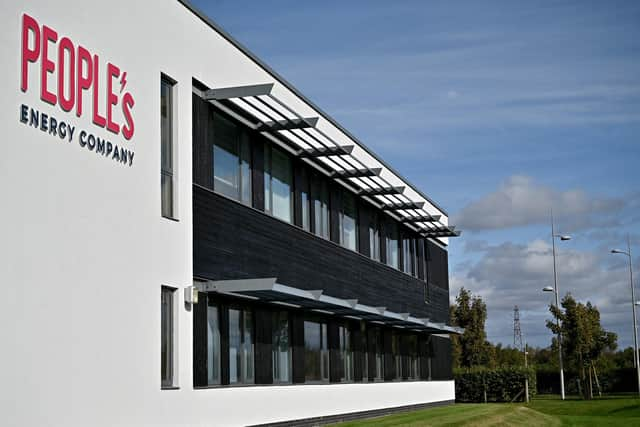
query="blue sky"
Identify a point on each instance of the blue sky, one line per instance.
(498, 111)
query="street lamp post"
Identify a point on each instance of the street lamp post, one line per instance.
(633, 306)
(562, 237)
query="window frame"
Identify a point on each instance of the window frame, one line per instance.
(277, 315)
(268, 183)
(169, 209)
(169, 338)
(343, 240)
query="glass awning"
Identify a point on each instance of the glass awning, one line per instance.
(262, 110)
(268, 290)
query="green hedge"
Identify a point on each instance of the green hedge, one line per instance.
(501, 384)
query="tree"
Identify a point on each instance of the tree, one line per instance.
(471, 348)
(583, 338)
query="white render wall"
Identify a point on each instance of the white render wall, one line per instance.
(84, 250)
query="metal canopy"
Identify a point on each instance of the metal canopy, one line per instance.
(383, 191)
(307, 122)
(238, 91)
(258, 107)
(268, 290)
(326, 151)
(421, 218)
(403, 206)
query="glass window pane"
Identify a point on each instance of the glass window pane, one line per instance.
(245, 169)
(304, 201)
(166, 189)
(281, 348)
(166, 341)
(374, 238)
(312, 346)
(348, 221)
(316, 351)
(166, 148)
(213, 345)
(321, 208)
(281, 179)
(166, 113)
(345, 353)
(392, 246)
(234, 346)
(226, 173)
(267, 179)
(247, 346)
(364, 354)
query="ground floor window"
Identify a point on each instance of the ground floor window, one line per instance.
(240, 346)
(395, 353)
(281, 348)
(378, 355)
(413, 373)
(213, 344)
(345, 354)
(167, 337)
(316, 351)
(237, 342)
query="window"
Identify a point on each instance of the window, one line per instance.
(305, 211)
(392, 246)
(213, 344)
(348, 223)
(409, 252)
(320, 196)
(277, 184)
(345, 354)
(231, 160)
(377, 350)
(281, 348)
(406, 255)
(316, 353)
(395, 351)
(364, 352)
(240, 346)
(374, 237)
(167, 177)
(412, 357)
(167, 340)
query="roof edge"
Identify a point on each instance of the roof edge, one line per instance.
(216, 27)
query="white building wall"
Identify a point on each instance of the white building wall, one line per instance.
(85, 250)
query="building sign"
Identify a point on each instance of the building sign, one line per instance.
(69, 76)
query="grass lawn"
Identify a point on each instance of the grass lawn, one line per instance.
(543, 411)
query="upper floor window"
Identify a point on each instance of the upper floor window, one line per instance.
(374, 237)
(391, 240)
(278, 178)
(231, 160)
(305, 201)
(348, 223)
(167, 175)
(320, 196)
(409, 256)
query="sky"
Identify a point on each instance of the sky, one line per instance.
(499, 111)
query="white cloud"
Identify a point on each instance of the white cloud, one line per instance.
(511, 274)
(520, 201)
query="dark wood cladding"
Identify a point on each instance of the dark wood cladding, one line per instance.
(233, 241)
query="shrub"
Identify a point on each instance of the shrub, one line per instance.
(500, 385)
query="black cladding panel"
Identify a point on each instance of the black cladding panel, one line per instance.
(233, 241)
